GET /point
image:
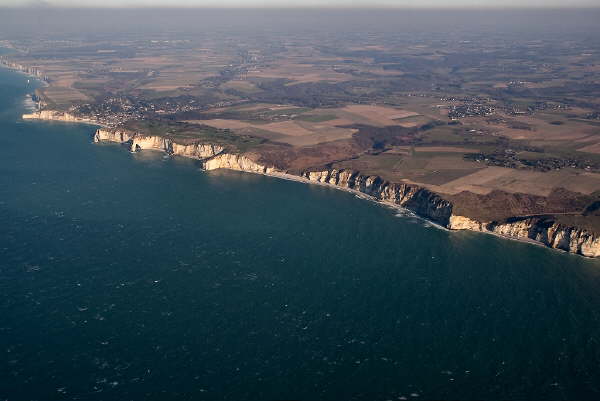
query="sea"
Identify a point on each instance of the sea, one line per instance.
(135, 276)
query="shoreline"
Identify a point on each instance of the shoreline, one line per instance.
(582, 243)
(358, 194)
(367, 197)
(60, 116)
(410, 213)
(424, 204)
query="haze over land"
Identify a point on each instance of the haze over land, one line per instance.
(496, 112)
(307, 3)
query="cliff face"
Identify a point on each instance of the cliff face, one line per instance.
(139, 142)
(417, 199)
(55, 116)
(237, 162)
(544, 231)
(194, 150)
(420, 200)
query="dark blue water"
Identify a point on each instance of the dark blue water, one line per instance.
(130, 276)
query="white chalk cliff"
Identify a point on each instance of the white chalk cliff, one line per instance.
(542, 230)
(55, 116)
(137, 142)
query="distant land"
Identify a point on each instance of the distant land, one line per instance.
(491, 130)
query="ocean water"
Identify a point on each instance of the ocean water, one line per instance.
(134, 276)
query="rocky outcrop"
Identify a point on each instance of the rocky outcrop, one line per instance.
(419, 200)
(543, 230)
(118, 136)
(465, 223)
(193, 150)
(238, 162)
(55, 116)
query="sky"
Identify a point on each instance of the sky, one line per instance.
(304, 3)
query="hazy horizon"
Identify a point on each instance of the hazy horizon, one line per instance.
(409, 4)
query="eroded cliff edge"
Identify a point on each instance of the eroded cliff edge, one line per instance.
(423, 202)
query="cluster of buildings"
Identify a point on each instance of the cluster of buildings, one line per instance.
(593, 116)
(470, 110)
(522, 110)
(114, 111)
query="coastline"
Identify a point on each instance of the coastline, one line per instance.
(417, 201)
(51, 115)
(28, 102)
(358, 194)
(21, 69)
(405, 211)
